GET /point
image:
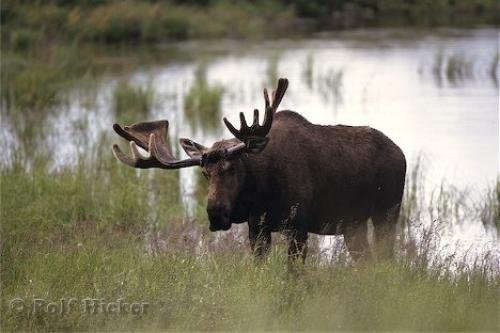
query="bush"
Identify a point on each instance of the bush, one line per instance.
(23, 40)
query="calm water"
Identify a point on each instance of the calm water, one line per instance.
(434, 93)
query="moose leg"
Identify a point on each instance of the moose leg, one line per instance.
(356, 238)
(297, 245)
(385, 232)
(259, 236)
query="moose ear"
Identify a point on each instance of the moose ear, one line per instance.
(257, 145)
(192, 148)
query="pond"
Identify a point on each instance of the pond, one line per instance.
(433, 92)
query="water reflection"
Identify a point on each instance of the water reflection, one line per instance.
(456, 68)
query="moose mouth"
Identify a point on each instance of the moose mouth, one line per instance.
(220, 226)
(219, 217)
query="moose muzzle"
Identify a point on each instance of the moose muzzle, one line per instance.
(219, 216)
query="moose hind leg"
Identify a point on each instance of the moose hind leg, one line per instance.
(384, 225)
(356, 239)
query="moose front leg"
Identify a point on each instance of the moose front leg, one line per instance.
(297, 245)
(260, 236)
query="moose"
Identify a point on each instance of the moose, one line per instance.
(289, 176)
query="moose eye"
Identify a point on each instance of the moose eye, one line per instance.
(227, 166)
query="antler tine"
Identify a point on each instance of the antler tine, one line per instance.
(279, 92)
(266, 98)
(272, 107)
(255, 117)
(256, 133)
(151, 137)
(138, 160)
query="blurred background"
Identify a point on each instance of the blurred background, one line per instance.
(426, 73)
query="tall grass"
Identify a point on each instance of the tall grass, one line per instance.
(494, 68)
(145, 21)
(202, 103)
(35, 81)
(131, 103)
(106, 231)
(308, 71)
(330, 85)
(456, 68)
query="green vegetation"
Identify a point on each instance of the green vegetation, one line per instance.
(47, 45)
(308, 71)
(494, 68)
(31, 22)
(330, 85)
(34, 81)
(355, 13)
(202, 102)
(130, 104)
(110, 232)
(456, 68)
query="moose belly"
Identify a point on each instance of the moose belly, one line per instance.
(326, 228)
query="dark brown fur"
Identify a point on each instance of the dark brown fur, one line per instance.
(326, 180)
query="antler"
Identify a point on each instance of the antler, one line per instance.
(151, 137)
(253, 137)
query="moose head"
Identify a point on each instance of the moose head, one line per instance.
(222, 164)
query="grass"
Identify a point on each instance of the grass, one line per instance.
(131, 103)
(308, 71)
(32, 23)
(330, 85)
(202, 103)
(494, 68)
(34, 81)
(120, 234)
(459, 68)
(456, 68)
(139, 21)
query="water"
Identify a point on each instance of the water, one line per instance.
(434, 93)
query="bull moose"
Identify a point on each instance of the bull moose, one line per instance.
(288, 175)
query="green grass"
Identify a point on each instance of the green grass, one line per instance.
(35, 80)
(109, 232)
(130, 103)
(202, 103)
(32, 24)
